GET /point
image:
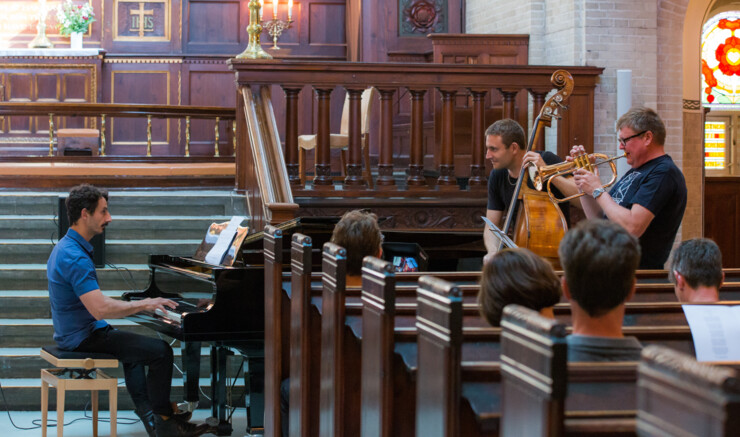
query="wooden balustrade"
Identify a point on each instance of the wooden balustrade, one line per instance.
(392, 80)
(107, 111)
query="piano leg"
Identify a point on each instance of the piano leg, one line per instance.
(218, 388)
(254, 382)
(191, 371)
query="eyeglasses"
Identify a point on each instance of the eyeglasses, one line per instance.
(624, 141)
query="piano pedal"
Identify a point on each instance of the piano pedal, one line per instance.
(187, 407)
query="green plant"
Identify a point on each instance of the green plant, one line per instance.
(74, 18)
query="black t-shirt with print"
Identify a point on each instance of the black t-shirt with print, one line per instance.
(659, 186)
(501, 187)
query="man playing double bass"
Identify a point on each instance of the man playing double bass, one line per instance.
(506, 149)
(650, 199)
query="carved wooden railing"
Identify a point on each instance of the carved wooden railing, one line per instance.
(107, 111)
(389, 79)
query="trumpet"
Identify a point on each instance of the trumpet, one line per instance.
(546, 173)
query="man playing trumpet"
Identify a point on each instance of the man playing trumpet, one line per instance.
(650, 199)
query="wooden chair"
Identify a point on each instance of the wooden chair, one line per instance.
(77, 371)
(341, 140)
(534, 358)
(676, 395)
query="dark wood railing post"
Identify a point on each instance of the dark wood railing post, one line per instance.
(446, 178)
(322, 179)
(354, 154)
(509, 100)
(385, 159)
(538, 97)
(291, 134)
(416, 154)
(478, 146)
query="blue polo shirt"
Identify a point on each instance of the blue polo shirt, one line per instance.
(71, 273)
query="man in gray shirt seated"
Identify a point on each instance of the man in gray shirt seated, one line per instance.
(599, 260)
(696, 271)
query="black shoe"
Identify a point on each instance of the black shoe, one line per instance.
(174, 427)
(147, 418)
(183, 416)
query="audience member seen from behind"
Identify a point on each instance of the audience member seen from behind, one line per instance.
(599, 260)
(358, 232)
(517, 276)
(696, 270)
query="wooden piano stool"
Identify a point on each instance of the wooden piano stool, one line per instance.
(77, 371)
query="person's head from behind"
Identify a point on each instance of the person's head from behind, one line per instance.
(87, 209)
(696, 270)
(599, 260)
(358, 232)
(505, 141)
(517, 276)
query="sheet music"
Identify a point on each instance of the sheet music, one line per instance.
(499, 233)
(218, 251)
(715, 330)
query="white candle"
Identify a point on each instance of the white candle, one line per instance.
(274, 9)
(260, 2)
(290, 9)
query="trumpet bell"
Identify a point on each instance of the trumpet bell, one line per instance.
(542, 177)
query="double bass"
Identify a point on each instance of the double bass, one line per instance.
(539, 224)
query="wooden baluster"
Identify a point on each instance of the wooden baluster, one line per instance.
(102, 135)
(149, 135)
(291, 134)
(385, 159)
(354, 154)
(478, 149)
(509, 96)
(187, 136)
(416, 154)
(215, 129)
(233, 137)
(51, 134)
(447, 178)
(323, 179)
(538, 97)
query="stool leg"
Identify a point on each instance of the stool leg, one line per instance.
(44, 405)
(113, 407)
(94, 403)
(60, 409)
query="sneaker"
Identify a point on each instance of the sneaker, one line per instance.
(180, 414)
(173, 427)
(147, 418)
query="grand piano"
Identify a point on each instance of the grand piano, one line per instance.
(223, 304)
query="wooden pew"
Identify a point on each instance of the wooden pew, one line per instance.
(679, 396)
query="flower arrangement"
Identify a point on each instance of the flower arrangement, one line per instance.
(74, 18)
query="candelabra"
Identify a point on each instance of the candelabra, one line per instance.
(254, 49)
(40, 41)
(275, 28)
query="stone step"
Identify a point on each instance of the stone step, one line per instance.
(123, 227)
(116, 251)
(32, 304)
(24, 394)
(141, 203)
(23, 362)
(40, 332)
(33, 277)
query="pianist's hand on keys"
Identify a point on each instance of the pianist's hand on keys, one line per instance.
(154, 303)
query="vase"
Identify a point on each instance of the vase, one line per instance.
(75, 40)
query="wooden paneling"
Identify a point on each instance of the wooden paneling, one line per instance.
(721, 209)
(153, 82)
(215, 26)
(161, 20)
(74, 79)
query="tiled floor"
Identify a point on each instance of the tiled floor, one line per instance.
(83, 427)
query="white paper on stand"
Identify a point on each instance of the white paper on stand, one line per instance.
(218, 251)
(715, 330)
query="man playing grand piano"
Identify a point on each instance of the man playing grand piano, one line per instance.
(78, 310)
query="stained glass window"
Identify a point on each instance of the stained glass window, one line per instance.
(720, 61)
(714, 144)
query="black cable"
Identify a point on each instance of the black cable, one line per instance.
(130, 281)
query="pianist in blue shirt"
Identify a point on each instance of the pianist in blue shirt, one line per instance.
(78, 310)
